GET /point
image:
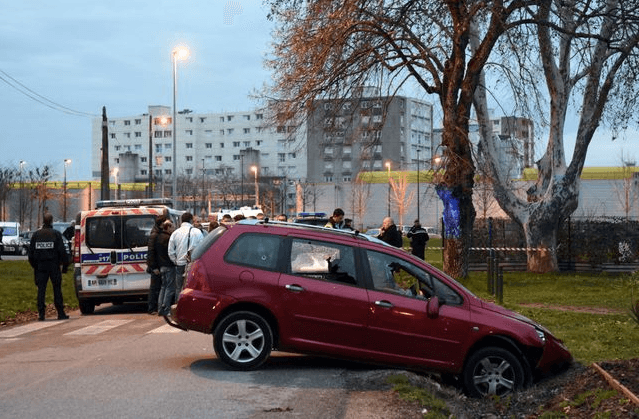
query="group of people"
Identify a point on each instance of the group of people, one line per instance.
(169, 252)
(389, 232)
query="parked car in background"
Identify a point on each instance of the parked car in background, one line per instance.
(10, 237)
(433, 233)
(257, 286)
(25, 241)
(312, 218)
(373, 232)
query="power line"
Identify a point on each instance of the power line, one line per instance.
(39, 98)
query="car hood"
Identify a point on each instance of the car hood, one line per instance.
(508, 313)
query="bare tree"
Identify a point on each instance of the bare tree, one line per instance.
(38, 178)
(400, 199)
(586, 51)
(330, 49)
(7, 178)
(360, 194)
(625, 191)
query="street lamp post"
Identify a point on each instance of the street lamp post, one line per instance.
(21, 197)
(388, 166)
(179, 53)
(64, 209)
(242, 178)
(257, 188)
(418, 183)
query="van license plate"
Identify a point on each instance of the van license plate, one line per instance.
(102, 282)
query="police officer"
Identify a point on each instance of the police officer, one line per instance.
(46, 255)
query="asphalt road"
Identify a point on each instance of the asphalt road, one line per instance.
(122, 362)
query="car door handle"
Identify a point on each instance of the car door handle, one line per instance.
(294, 288)
(384, 303)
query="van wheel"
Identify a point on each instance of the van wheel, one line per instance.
(493, 371)
(243, 340)
(86, 307)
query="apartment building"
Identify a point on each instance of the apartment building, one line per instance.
(367, 133)
(208, 144)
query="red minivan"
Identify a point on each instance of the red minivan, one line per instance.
(260, 285)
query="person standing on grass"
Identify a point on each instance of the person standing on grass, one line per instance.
(46, 255)
(418, 239)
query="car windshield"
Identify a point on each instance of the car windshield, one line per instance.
(9, 231)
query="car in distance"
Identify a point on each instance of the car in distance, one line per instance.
(258, 285)
(312, 218)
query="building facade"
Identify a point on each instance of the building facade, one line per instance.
(368, 133)
(208, 145)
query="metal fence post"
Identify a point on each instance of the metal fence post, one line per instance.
(500, 286)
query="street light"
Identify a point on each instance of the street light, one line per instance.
(117, 188)
(179, 53)
(388, 166)
(257, 188)
(64, 209)
(21, 203)
(418, 183)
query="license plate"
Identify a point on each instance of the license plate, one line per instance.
(102, 282)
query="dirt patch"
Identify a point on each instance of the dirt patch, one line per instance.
(31, 315)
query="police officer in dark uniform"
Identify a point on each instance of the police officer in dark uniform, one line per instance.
(46, 255)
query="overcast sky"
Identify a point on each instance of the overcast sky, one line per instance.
(74, 57)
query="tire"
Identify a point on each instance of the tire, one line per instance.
(493, 371)
(243, 340)
(87, 307)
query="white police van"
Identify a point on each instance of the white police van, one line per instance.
(110, 248)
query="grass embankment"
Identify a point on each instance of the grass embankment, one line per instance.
(18, 291)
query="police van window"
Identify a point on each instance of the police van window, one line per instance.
(119, 232)
(256, 250)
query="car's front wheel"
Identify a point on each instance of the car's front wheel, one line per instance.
(243, 340)
(493, 371)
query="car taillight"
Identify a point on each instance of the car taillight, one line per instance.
(197, 277)
(76, 246)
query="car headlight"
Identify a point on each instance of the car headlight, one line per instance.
(541, 335)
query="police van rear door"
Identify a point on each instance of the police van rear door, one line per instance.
(114, 255)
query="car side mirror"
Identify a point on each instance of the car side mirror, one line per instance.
(432, 308)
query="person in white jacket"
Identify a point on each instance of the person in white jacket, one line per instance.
(182, 242)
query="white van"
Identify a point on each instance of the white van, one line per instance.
(10, 237)
(110, 248)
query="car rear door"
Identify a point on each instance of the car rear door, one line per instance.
(101, 248)
(136, 225)
(325, 305)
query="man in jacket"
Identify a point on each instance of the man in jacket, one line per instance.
(418, 238)
(336, 220)
(182, 242)
(46, 255)
(389, 233)
(153, 267)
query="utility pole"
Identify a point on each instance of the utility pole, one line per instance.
(104, 187)
(149, 193)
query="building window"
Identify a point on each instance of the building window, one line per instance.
(221, 145)
(236, 143)
(291, 155)
(167, 171)
(138, 121)
(328, 178)
(127, 122)
(247, 117)
(281, 129)
(229, 118)
(189, 145)
(236, 157)
(138, 134)
(143, 172)
(167, 159)
(138, 146)
(142, 159)
(157, 134)
(158, 148)
(218, 158)
(221, 132)
(202, 120)
(127, 134)
(346, 179)
(112, 135)
(189, 171)
(189, 132)
(229, 131)
(208, 145)
(259, 116)
(168, 145)
(258, 142)
(247, 143)
(189, 158)
(247, 130)
(117, 148)
(281, 157)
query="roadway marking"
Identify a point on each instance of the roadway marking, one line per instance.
(28, 328)
(98, 328)
(167, 328)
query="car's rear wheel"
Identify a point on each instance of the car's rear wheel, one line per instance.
(86, 307)
(493, 371)
(243, 340)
